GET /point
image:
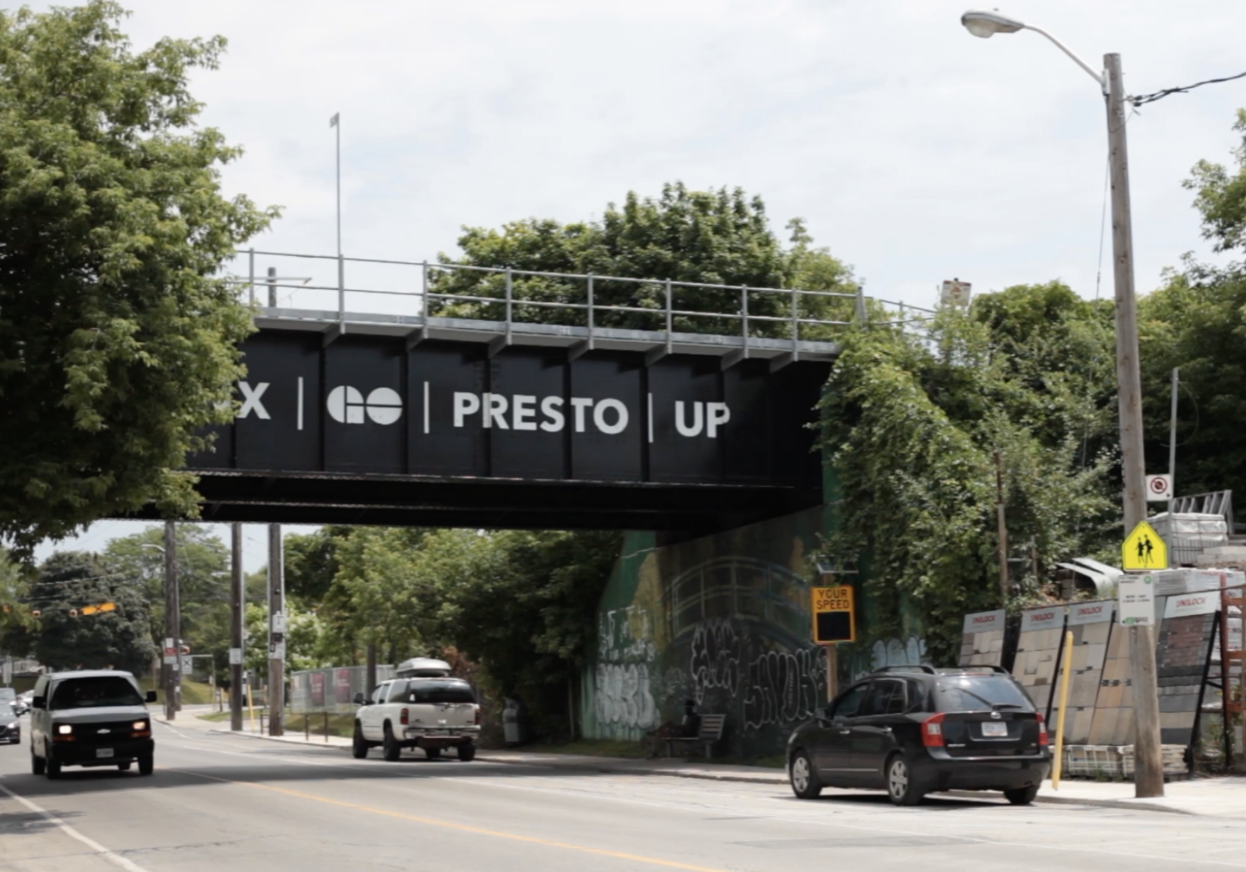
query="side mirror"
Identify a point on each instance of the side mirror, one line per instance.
(360, 699)
(152, 696)
(38, 702)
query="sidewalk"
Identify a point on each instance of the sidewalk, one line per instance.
(1212, 797)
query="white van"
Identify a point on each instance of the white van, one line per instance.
(90, 718)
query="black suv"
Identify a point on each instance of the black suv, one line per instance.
(913, 730)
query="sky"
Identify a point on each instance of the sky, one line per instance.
(914, 151)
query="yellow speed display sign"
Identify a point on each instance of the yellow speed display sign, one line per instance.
(834, 619)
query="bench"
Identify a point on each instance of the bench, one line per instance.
(711, 731)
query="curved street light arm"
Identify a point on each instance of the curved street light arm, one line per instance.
(1098, 77)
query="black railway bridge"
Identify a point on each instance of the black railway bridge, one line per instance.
(400, 417)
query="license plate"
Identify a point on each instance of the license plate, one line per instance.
(991, 730)
(103, 753)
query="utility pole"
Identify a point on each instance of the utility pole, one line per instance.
(1003, 530)
(1149, 771)
(369, 670)
(1172, 451)
(236, 610)
(171, 620)
(276, 633)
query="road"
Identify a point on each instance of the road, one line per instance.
(219, 802)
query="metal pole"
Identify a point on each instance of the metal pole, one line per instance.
(1149, 776)
(590, 320)
(1058, 760)
(1003, 530)
(237, 593)
(369, 670)
(341, 294)
(337, 127)
(744, 316)
(670, 318)
(251, 277)
(276, 632)
(510, 291)
(1172, 454)
(171, 621)
(272, 287)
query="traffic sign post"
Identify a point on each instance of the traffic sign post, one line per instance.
(834, 621)
(1159, 488)
(1144, 550)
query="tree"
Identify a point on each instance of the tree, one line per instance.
(203, 582)
(1196, 322)
(67, 638)
(118, 335)
(913, 419)
(712, 237)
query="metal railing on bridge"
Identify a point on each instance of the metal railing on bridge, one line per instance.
(584, 311)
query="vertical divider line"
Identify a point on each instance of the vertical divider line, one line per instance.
(425, 408)
(300, 402)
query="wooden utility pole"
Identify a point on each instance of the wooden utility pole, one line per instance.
(1149, 772)
(171, 621)
(1003, 530)
(236, 610)
(276, 633)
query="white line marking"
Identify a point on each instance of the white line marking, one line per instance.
(104, 853)
(425, 408)
(650, 419)
(300, 402)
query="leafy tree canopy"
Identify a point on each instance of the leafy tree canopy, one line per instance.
(117, 335)
(913, 420)
(61, 639)
(713, 237)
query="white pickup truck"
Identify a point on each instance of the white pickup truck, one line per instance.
(429, 712)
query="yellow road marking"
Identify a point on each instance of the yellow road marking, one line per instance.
(466, 828)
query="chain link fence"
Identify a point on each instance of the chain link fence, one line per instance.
(331, 690)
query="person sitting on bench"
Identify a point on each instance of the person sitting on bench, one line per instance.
(688, 728)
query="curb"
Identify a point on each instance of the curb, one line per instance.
(742, 779)
(588, 767)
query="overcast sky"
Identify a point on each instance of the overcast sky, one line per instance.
(915, 151)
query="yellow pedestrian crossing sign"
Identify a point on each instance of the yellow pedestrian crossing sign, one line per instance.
(1144, 550)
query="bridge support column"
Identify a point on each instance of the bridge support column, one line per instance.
(276, 634)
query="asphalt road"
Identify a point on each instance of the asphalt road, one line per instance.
(218, 802)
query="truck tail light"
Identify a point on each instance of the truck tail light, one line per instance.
(932, 731)
(404, 718)
(477, 715)
(1043, 740)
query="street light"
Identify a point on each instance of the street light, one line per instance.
(1149, 780)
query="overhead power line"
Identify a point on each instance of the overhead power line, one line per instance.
(1159, 95)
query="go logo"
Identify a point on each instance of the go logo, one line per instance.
(347, 405)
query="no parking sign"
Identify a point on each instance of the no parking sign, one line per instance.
(1158, 487)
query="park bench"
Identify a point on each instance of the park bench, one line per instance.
(711, 731)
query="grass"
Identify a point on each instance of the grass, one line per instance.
(193, 692)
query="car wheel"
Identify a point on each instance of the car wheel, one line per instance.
(432, 753)
(900, 785)
(53, 769)
(805, 781)
(390, 746)
(124, 767)
(37, 763)
(146, 764)
(467, 753)
(358, 744)
(1022, 795)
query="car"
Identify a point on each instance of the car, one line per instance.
(914, 730)
(90, 718)
(10, 729)
(431, 711)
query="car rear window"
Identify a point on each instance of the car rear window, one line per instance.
(981, 693)
(95, 692)
(442, 691)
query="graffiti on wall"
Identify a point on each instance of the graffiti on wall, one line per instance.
(625, 653)
(783, 687)
(715, 658)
